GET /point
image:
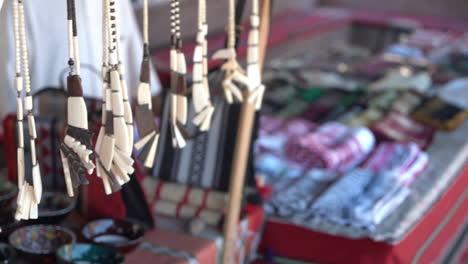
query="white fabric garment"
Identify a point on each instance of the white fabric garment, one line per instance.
(48, 47)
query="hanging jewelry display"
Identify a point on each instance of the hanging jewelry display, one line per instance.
(178, 98)
(75, 150)
(115, 141)
(30, 194)
(234, 74)
(147, 128)
(200, 90)
(256, 88)
(254, 96)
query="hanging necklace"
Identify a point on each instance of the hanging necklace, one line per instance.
(201, 91)
(114, 143)
(29, 195)
(75, 150)
(234, 74)
(147, 128)
(178, 91)
(256, 88)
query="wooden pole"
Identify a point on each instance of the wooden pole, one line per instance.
(241, 152)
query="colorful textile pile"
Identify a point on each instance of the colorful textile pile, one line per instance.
(365, 196)
(402, 128)
(333, 146)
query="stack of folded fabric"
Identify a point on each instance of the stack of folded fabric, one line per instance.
(274, 132)
(294, 201)
(402, 128)
(365, 196)
(276, 170)
(333, 146)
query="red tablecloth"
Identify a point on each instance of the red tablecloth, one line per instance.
(427, 242)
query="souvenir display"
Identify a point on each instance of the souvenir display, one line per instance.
(178, 91)
(234, 76)
(75, 151)
(115, 141)
(146, 123)
(30, 189)
(253, 100)
(200, 89)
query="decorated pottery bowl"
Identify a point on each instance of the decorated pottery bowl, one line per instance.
(8, 193)
(88, 254)
(37, 241)
(7, 253)
(54, 208)
(121, 235)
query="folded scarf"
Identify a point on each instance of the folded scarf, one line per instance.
(296, 199)
(402, 128)
(365, 196)
(403, 161)
(276, 131)
(333, 146)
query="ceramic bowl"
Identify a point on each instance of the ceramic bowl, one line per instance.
(88, 254)
(121, 235)
(54, 208)
(8, 193)
(7, 253)
(36, 241)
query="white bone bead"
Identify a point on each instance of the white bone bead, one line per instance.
(143, 141)
(182, 109)
(20, 135)
(108, 105)
(33, 151)
(178, 138)
(173, 59)
(205, 126)
(77, 114)
(124, 162)
(105, 181)
(152, 153)
(113, 58)
(28, 104)
(200, 99)
(121, 134)
(19, 109)
(19, 83)
(100, 138)
(32, 126)
(20, 163)
(130, 139)
(106, 152)
(224, 54)
(117, 104)
(255, 21)
(36, 173)
(182, 65)
(144, 94)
